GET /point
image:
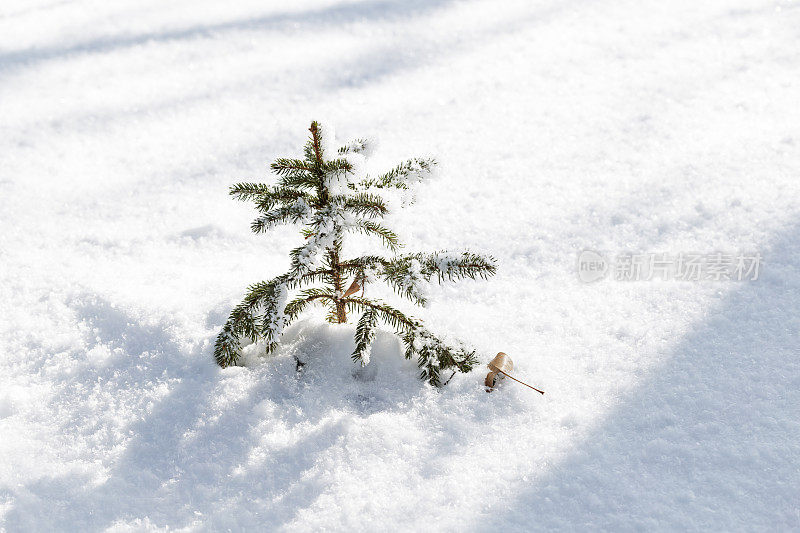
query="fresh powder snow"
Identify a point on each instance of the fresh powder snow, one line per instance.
(616, 127)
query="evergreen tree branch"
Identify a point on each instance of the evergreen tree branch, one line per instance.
(365, 204)
(455, 266)
(356, 146)
(366, 261)
(267, 196)
(407, 276)
(404, 175)
(317, 276)
(321, 235)
(369, 227)
(315, 143)
(404, 280)
(285, 196)
(295, 173)
(391, 316)
(296, 212)
(433, 355)
(245, 191)
(301, 302)
(365, 334)
(240, 324)
(243, 321)
(284, 166)
(337, 166)
(360, 265)
(303, 181)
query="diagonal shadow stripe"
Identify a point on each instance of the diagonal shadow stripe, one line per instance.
(332, 15)
(709, 441)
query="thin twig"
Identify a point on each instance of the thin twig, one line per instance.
(518, 381)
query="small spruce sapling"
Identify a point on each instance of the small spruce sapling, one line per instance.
(329, 195)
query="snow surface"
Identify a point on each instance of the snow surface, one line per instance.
(617, 126)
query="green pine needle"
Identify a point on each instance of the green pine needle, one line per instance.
(320, 274)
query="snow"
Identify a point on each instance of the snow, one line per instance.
(619, 127)
(415, 283)
(358, 164)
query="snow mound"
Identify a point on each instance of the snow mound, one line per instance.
(324, 350)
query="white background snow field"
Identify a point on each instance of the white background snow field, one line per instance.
(561, 126)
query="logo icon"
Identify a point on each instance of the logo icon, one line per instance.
(591, 266)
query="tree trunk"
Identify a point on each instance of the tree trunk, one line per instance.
(338, 284)
(341, 312)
